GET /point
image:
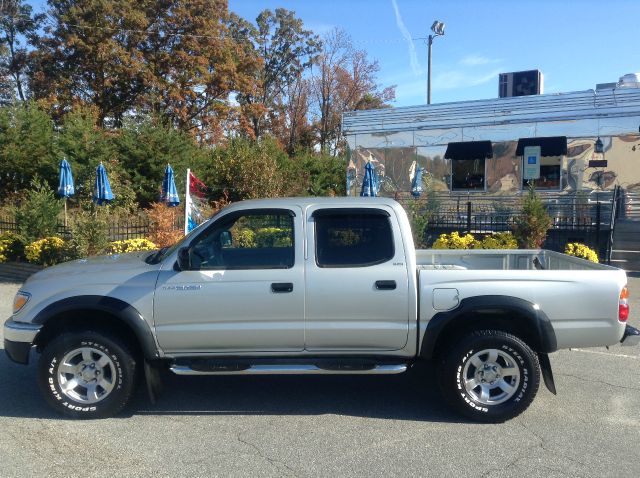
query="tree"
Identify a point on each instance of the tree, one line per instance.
(85, 145)
(299, 133)
(18, 29)
(27, 147)
(191, 74)
(89, 55)
(287, 50)
(145, 149)
(244, 169)
(344, 79)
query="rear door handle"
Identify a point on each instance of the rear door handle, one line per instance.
(385, 284)
(281, 287)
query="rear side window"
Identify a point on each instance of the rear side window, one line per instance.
(353, 239)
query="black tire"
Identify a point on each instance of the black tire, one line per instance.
(108, 388)
(489, 376)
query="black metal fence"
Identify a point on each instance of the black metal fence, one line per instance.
(583, 217)
(118, 229)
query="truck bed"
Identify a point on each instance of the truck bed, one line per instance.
(502, 260)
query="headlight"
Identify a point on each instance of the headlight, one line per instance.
(20, 300)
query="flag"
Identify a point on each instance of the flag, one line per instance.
(194, 197)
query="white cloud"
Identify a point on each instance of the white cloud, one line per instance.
(461, 79)
(413, 57)
(477, 60)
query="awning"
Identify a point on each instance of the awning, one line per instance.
(550, 146)
(469, 150)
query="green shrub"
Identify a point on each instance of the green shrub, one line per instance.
(130, 245)
(37, 216)
(419, 216)
(89, 234)
(11, 247)
(582, 251)
(273, 237)
(530, 229)
(47, 252)
(244, 238)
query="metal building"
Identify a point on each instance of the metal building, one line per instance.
(450, 140)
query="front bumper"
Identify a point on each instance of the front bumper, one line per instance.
(18, 339)
(631, 336)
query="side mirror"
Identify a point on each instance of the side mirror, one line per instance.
(184, 259)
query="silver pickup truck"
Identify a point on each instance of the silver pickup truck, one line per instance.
(313, 286)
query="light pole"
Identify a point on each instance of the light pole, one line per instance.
(438, 30)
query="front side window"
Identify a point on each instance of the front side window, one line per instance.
(353, 239)
(249, 240)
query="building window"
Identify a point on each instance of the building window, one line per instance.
(552, 149)
(468, 164)
(467, 174)
(550, 174)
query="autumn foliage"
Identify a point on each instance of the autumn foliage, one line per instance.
(164, 229)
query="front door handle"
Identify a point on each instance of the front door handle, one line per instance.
(385, 284)
(281, 287)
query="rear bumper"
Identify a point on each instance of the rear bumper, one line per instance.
(18, 338)
(631, 336)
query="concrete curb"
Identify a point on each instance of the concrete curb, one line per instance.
(17, 272)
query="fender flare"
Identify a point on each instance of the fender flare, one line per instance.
(110, 305)
(535, 321)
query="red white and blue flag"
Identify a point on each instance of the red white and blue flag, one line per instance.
(194, 199)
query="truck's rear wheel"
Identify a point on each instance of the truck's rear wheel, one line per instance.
(490, 376)
(86, 374)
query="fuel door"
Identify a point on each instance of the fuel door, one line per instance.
(445, 299)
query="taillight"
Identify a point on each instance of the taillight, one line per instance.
(623, 305)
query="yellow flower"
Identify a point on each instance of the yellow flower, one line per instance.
(582, 251)
(130, 245)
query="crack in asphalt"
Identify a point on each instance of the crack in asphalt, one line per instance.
(543, 445)
(598, 381)
(261, 454)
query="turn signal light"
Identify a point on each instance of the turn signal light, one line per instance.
(623, 305)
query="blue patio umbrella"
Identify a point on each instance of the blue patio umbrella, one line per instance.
(102, 190)
(416, 184)
(370, 182)
(169, 194)
(65, 186)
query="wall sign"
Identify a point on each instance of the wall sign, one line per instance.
(531, 169)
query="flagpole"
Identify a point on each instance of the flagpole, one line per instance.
(187, 202)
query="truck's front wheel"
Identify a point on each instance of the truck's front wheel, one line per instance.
(86, 374)
(490, 376)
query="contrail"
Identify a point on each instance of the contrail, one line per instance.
(415, 66)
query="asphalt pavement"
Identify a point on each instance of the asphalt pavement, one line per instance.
(333, 426)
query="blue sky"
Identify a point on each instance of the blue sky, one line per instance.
(575, 44)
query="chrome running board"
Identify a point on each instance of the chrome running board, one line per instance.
(292, 369)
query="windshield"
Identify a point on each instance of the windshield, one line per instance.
(158, 256)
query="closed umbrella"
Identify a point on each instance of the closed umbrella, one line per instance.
(102, 190)
(169, 194)
(370, 181)
(65, 186)
(416, 184)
